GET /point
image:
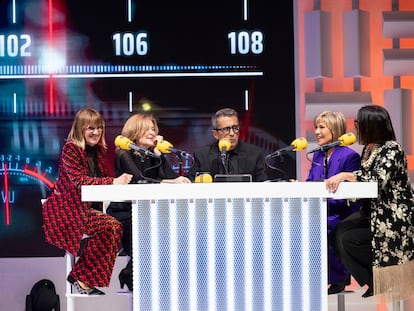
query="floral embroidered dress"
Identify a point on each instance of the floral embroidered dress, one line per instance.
(391, 220)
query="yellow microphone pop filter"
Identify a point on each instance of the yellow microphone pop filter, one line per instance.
(164, 146)
(299, 143)
(224, 144)
(123, 142)
(204, 178)
(347, 139)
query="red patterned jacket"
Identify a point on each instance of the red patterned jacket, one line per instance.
(64, 214)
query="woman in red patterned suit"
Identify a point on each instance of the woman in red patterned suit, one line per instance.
(67, 219)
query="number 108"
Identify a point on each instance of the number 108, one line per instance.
(244, 42)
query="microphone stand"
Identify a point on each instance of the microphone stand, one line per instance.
(273, 165)
(180, 165)
(224, 161)
(325, 163)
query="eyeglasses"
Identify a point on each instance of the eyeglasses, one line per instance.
(226, 130)
(92, 129)
(356, 123)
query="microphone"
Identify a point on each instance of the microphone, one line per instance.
(296, 145)
(126, 144)
(203, 178)
(224, 146)
(166, 147)
(344, 140)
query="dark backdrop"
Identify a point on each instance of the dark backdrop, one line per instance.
(187, 74)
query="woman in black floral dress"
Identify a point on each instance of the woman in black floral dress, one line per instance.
(376, 244)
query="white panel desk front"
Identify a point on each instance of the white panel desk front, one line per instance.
(229, 246)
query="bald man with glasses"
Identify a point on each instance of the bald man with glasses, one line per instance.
(240, 157)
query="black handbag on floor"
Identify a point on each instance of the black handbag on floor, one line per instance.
(43, 297)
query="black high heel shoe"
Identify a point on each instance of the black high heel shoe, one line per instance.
(340, 286)
(83, 291)
(125, 278)
(368, 293)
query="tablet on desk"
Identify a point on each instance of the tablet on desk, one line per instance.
(232, 178)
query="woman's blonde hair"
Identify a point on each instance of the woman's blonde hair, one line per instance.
(86, 117)
(136, 126)
(335, 122)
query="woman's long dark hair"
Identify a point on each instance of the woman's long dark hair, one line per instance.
(374, 125)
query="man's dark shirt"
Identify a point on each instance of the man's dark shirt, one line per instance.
(244, 159)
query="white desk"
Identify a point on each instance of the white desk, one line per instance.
(229, 246)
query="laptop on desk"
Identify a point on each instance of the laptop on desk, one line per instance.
(232, 178)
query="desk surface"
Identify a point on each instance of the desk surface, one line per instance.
(227, 190)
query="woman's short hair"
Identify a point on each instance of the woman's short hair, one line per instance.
(374, 125)
(335, 121)
(136, 126)
(86, 117)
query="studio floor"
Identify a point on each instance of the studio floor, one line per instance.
(19, 274)
(354, 301)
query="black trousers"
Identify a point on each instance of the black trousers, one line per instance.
(352, 243)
